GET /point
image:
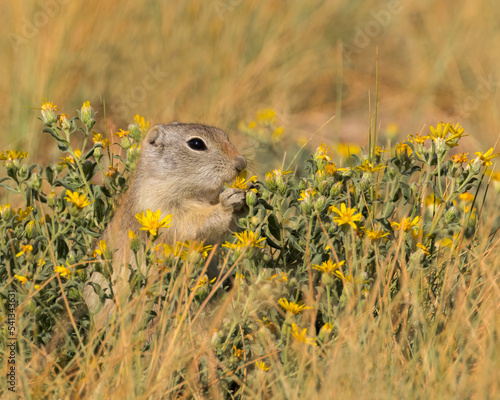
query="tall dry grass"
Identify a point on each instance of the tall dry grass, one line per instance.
(221, 60)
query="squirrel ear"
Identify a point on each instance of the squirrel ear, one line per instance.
(154, 136)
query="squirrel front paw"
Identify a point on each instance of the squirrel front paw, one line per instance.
(234, 198)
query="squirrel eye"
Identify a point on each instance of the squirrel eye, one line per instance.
(197, 144)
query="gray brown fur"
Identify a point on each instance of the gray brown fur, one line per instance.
(186, 183)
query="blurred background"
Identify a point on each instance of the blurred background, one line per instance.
(220, 61)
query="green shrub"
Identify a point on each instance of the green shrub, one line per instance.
(391, 237)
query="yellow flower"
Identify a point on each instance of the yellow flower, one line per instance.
(262, 366)
(151, 221)
(22, 214)
(141, 121)
(41, 262)
(327, 328)
(431, 200)
(70, 159)
(417, 138)
(21, 279)
(48, 105)
(406, 224)
(459, 158)
(375, 234)
(278, 173)
(307, 194)
(379, 151)
(302, 336)
(266, 116)
(121, 133)
(203, 282)
(292, 307)
(37, 287)
(99, 139)
(346, 215)
(391, 131)
(322, 153)
(63, 271)
(486, 157)
(238, 353)
(370, 167)
(328, 266)
(245, 239)
(448, 133)
(11, 155)
(25, 249)
(468, 197)
(281, 277)
(79, 200)
(183, 249)
(402, 149)
(424, 249)
(278, 133)
(111, 172)
(241, 183)
(331, 168)
(103, 248)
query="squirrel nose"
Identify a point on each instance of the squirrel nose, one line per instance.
(240, 163)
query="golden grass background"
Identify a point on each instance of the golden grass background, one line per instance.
(222, 60)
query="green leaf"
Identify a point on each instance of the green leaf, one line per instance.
(274, 226)
(266, 205)
(49, 173)
(272, 244)
(390, 210)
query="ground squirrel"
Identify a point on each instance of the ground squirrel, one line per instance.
(182, 171)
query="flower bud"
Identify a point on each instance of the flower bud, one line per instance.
(451, 214)
(97, 153)
(52, 199)
(71, 257)
(23, 172)
(475, 166)
(126, 143)
(87, 115)
(135, 244)
(251, 198)
(366, 180)
(441, 146)
(65, 123)
(81, 274)
(303, 184)
(282, 187)
(326, 279)
(270, 181)
(6, 212)
(321, 203)
(135, 132)
(49, 113)
(336, 189)
(36, 183)
(30, 229)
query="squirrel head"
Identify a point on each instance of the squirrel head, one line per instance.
(194, 160)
